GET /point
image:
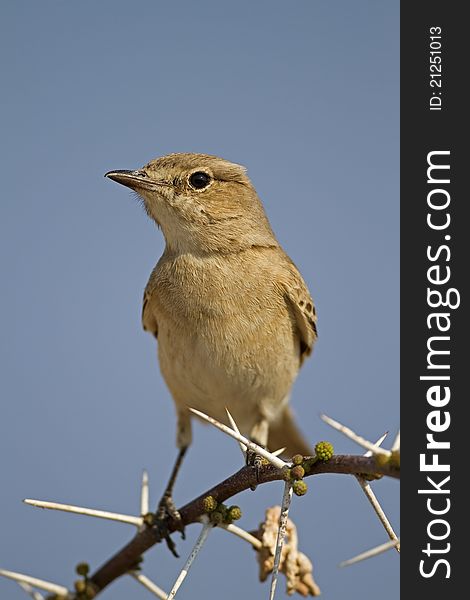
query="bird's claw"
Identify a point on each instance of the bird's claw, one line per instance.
(162, 527)
(255, 460)
(167, 508)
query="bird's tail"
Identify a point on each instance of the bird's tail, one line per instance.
(284, 432)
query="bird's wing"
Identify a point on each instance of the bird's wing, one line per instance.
(300, 302)
(149, 322)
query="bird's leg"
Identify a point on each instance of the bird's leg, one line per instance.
(259, 435)
(167, 507)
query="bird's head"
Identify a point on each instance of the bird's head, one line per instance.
(203, 203)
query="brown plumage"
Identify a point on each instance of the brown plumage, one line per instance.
(232, 315)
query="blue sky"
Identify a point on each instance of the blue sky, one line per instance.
(306, 96)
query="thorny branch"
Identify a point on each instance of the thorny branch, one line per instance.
(128, 557)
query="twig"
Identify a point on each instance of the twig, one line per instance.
(126, 557)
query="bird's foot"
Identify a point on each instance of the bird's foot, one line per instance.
(255, 460)
(167, 508)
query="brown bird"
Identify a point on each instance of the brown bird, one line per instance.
(233, 317)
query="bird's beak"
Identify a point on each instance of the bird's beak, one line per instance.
(134, 179)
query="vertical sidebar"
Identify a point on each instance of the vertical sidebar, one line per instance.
(434, 291)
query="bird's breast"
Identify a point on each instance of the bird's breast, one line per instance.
(225, 335)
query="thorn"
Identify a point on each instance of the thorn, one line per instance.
(281, 534)
(144, 494)
(369, 553)
(39, 583)
(30, 591)
(379, 442)
(376, 450)
(242, 534)
(278, 452)
(274, 460)
(89, 512)
(149, 585)
(396, 443)
(235, 428)
(367, 489)
(206, 529)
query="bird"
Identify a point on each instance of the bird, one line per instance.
(233, 317)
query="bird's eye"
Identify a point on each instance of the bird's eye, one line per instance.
(199, 180)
